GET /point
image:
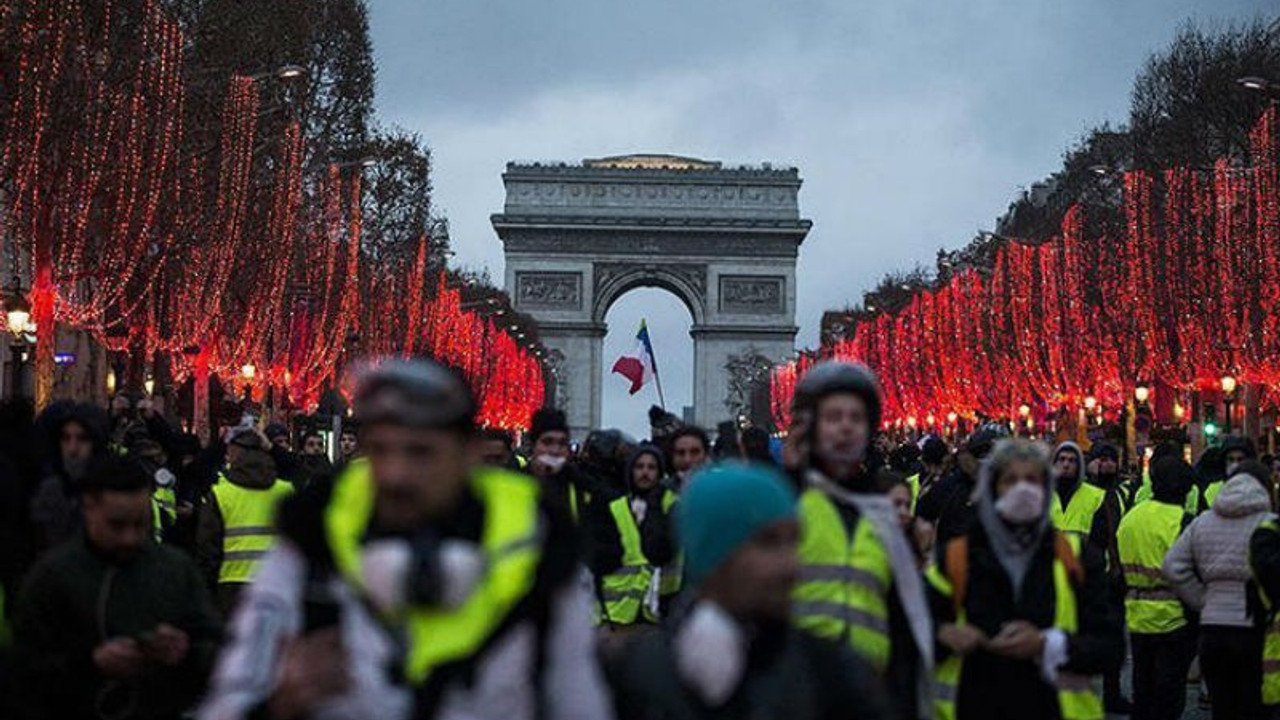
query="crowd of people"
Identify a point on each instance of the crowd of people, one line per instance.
(428, 568)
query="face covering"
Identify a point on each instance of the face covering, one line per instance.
(392, 574)
(552, 462)
(711, 653)
(844, 457)
(1022, 504)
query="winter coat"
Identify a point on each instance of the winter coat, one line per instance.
(1208, 566)
(789, 674)
(55, 503)
(541, 654)
(75, 598)
(947, 505)
(993, 686)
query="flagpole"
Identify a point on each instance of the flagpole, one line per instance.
(657, 378)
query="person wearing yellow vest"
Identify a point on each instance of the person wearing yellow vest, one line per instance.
(550, 461)
(1235, 450)
(1021, 608)
(1161, 635)
(1264, 562)
(632, 561)
(1208, 567)
(1089, 502)
(859, 583)
(731, 653)
(418, 584)
(236, 524)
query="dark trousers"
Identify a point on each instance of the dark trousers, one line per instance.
(1160, 664)
(1231, 659)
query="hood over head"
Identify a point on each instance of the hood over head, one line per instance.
(1080, 461)
(642, 450)
(1171, 479)
(1242, 495)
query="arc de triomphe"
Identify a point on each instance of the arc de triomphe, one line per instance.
(723, 240)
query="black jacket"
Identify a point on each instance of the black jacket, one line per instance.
(994, 687)
(790, 675)
(947, 506)
(75, 598)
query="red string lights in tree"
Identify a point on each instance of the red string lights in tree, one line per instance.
(222, 258)
(1186, 290)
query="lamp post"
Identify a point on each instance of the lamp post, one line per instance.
(1229, 385)
(17, 313)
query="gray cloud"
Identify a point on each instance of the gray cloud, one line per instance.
(913, 123)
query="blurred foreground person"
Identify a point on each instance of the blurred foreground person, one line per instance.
(1021, 610)
(111, 624)
(733, 654)
(418, 585)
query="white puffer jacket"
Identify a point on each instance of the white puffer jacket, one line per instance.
(1208, 566)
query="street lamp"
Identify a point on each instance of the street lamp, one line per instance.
(1024, 410)
(290, 72)
(1090, 403)
(952, 418)
(1229, 386)
(17, 311)
(248, 371)
(1142, 393)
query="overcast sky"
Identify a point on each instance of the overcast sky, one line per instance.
(913, 123)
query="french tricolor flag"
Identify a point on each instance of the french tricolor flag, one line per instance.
(639, 367)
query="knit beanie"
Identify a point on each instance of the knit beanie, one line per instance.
(547, 420)
(722, 507)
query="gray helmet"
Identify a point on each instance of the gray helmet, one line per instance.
(413, 393)
(833, 376)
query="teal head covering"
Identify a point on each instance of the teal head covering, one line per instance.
(722, 507)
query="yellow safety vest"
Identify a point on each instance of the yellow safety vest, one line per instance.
(165, 510)
(509, 540)
(672, 573)
(625, 588)
(844, 581)
(1077, 699)
(1271, 643)
(1145, 534)
(1077, 517)
(914, 482)
(1211, 492)
(248, 526)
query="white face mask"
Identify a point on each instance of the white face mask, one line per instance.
(711, 653)
(165, 478)
(1021, 504)
(552, 462)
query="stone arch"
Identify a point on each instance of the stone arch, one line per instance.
(613, 280)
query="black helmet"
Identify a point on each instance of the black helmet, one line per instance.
(414, 393)
(833, 376)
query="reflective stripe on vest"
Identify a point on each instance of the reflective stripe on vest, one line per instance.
(1077, 699)
(1077, 516)
(914, 483)
(672, 573)
(1211, 492)
(1142, 539)
(624, 589)
(843, 584)
(511, 540)
(165, 505)
(248, 526)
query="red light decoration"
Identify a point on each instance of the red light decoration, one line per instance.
(233, 250)
(1185, 288)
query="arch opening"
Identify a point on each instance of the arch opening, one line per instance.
(669, 318)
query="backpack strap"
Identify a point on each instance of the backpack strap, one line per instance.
(957, 559)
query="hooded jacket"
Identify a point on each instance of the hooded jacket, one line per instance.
(1102, 531)
(656, 536)
(55, 504)
(1208, 566)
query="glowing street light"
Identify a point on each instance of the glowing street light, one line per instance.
(1142, 393)
(952, 417)
(248, 371)
(1229, 384)
(1090, 403)
(1024, 410)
